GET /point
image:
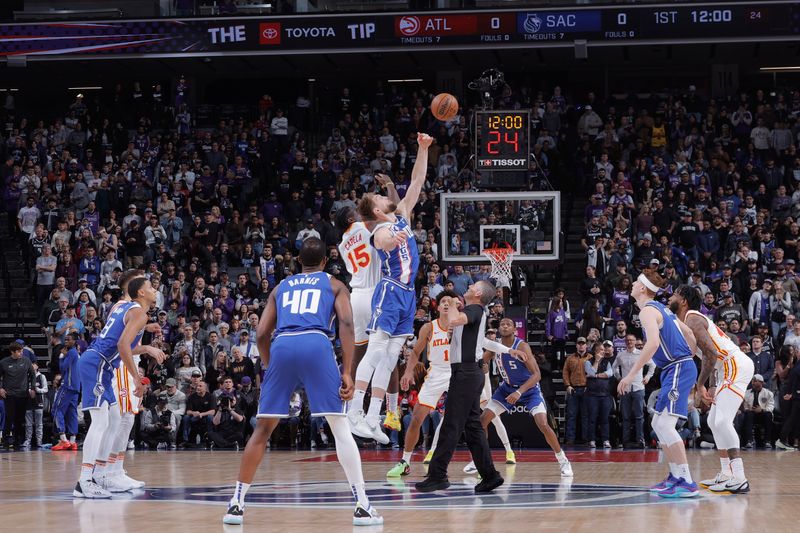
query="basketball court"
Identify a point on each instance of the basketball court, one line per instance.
(304, 492)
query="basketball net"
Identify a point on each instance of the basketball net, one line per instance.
(500, 258)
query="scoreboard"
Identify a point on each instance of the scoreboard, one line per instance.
(502, 140)
(431, 30)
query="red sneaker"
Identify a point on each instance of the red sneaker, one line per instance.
(62, 446)
(73, 446)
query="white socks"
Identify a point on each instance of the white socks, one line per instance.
(357, 403)
(407, 457)
(737, 467)
(683, 471)
(238, 493)
(391, 401)
(375, 405)
(562, 457)
(725, 465)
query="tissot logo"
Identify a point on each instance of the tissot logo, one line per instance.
(409, 26)
(269, 33)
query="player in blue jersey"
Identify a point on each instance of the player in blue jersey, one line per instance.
(113, 346)
(394, 299)
(671, 345)
(65, 403)
(294, 343)
(520, 388)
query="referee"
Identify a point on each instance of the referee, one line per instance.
(463, 411)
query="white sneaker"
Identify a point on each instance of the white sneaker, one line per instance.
(721, 477)
(366, 517)
(358, 425)
(131, 445)
(781, 446)
(115, 484)
(89, 489)
(161, 446)
(566, 469)
(134, 483)
(592, 444)
(606, 444)
(235, 515)
(731, 486)
(377, 431)
(471, 468)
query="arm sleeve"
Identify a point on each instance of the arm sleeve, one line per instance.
(494, 346)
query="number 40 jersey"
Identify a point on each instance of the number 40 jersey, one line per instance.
(305, 302)
(360, 257)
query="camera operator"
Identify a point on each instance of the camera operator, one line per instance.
(227, 424)
(160, 428)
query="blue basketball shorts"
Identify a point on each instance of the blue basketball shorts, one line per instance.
(97, 376)
(304, 358)
(393, 309)
(531, 401)
(676, 385)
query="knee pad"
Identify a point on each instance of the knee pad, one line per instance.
(664, 426)
(720, 420)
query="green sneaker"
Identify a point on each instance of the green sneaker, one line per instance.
(400, 469)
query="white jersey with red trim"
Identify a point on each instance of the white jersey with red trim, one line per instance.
(360, 257)
(733, 368)
(439, 346)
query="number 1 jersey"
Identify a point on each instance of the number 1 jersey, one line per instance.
(305, 302)
(360, 257)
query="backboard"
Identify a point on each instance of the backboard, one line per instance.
(529, 221)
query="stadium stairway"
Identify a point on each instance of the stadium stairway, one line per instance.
(18, 314)
(568, 276)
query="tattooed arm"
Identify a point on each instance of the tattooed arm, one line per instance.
(708, 352)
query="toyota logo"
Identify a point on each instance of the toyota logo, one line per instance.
(409, 25)
(270, 33)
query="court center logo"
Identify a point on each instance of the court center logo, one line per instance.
(533, 23)
(409, 26)
(400, 495)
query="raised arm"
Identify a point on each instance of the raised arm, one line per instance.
(418, 174)
(344, 314)
(266, 325)
(391, 192)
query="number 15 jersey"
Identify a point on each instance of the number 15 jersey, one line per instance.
(360, 257)
(305, 302)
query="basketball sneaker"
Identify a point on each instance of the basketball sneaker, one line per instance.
(135, 483)
(566, 469)
(428, 457)
(366, 517)
(74, 446)
(115, 484)
(666, 482)
(392, 421)
(376, 432)
(471, 468)
(781, 446)
(731, 486)
(680, 489)
(511, 459)
(63, 445)
(400, 469)
(89, 489)
(234, 516)
(721, 477)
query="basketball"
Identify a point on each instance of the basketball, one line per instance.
(444, 106)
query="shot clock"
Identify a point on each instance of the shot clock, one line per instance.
(502, 140)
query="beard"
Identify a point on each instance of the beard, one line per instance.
(674, 307)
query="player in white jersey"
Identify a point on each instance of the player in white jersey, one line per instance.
(364, 267)
(435, 336)
(730, 372)
(116, 479)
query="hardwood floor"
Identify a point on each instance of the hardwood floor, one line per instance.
(305, 491)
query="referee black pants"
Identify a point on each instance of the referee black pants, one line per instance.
(463, 413)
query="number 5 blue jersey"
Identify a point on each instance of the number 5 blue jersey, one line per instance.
(106, 343)
(513, 371)
(305, 302)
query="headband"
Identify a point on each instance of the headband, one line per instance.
(647, 283)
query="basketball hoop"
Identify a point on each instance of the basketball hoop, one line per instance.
(500, 258)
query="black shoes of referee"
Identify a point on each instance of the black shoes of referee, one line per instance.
(488, 485)
(433, 484)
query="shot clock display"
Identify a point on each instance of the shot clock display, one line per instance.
(502, 140)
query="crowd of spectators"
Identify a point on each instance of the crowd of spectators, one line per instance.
(214, 216)
(707, 191)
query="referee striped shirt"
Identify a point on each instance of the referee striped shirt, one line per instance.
(464, 344)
